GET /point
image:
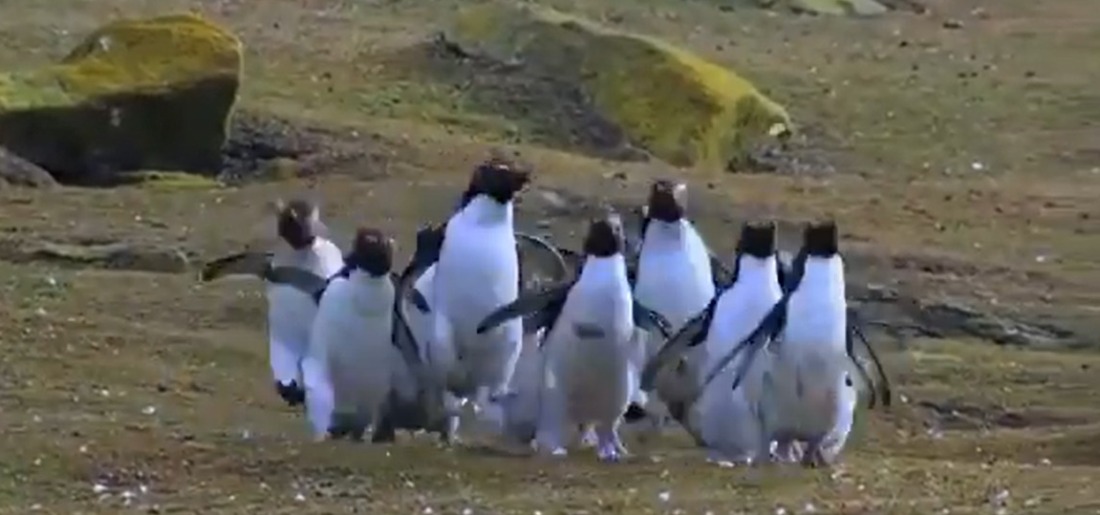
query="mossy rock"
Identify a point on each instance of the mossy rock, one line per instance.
(839, 7)
(136, 94)
(678, 106)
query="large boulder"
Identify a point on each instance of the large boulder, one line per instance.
(678, 106)
(136, 94)
(16, 171)
(839, 7)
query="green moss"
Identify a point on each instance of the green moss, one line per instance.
(680, 107)
(136, 94)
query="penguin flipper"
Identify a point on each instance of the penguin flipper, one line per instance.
(651, 321)
(720, 273)
(302, 280)
(403, 337)
(249, 262)
(765, 332)
(523, 306)
(855, 329)
(429, 245)
(561, 270)
(544, 318)
(691, 334)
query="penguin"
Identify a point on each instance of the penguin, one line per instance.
(724, 424)
(589, 376)
(798, 362)
(360, 340)
(676, 274)
(290, 311)
(476, 271)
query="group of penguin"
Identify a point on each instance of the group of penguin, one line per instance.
(756, 363)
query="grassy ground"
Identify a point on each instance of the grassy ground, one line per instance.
(972, 149)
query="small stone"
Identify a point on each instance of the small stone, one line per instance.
(952, 24)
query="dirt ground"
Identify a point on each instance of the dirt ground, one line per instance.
(958, 149)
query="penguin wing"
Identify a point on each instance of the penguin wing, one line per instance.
(765, 332)
(302, 280)
(651, 321)
(559, 269)
(249, 262)
(721, 274)
(855, 333)
(691, 334)
(429, 245)
(403, 337)
(544, 318)
(523, 306)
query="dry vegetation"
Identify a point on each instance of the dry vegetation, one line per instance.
(967, 167)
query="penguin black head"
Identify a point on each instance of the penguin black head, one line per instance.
(821, 239)
(605, 236)
(497, 179)
(371, 252)
(297, 222)
(757, 239)
(667, 201)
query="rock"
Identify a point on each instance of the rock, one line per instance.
(136, 94)
(115, 255)
(16, 171)
(676, 105)
(839, 7)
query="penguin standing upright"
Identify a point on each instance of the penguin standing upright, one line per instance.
(290, 311)
(676, 273)
(697, 395)
(362, 341)
(476, 272)
(589, 376)
(797, 363)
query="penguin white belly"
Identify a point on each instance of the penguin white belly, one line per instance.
(728, 420)
(593, 373)
(477, 274)
(421, 323)
(671, 283)
(808, 380)
(356, 337)
(290, 315)
(290, 312)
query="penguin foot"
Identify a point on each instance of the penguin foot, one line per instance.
(449, 435)
(720, 459)
(609, 452)
(814, 458)
(291, 393)
(635, 413)
(588, 438)
(346, 425)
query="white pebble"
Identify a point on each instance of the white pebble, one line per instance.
(664, 496)
(299, 497)
(149, 410)
(98, 488)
